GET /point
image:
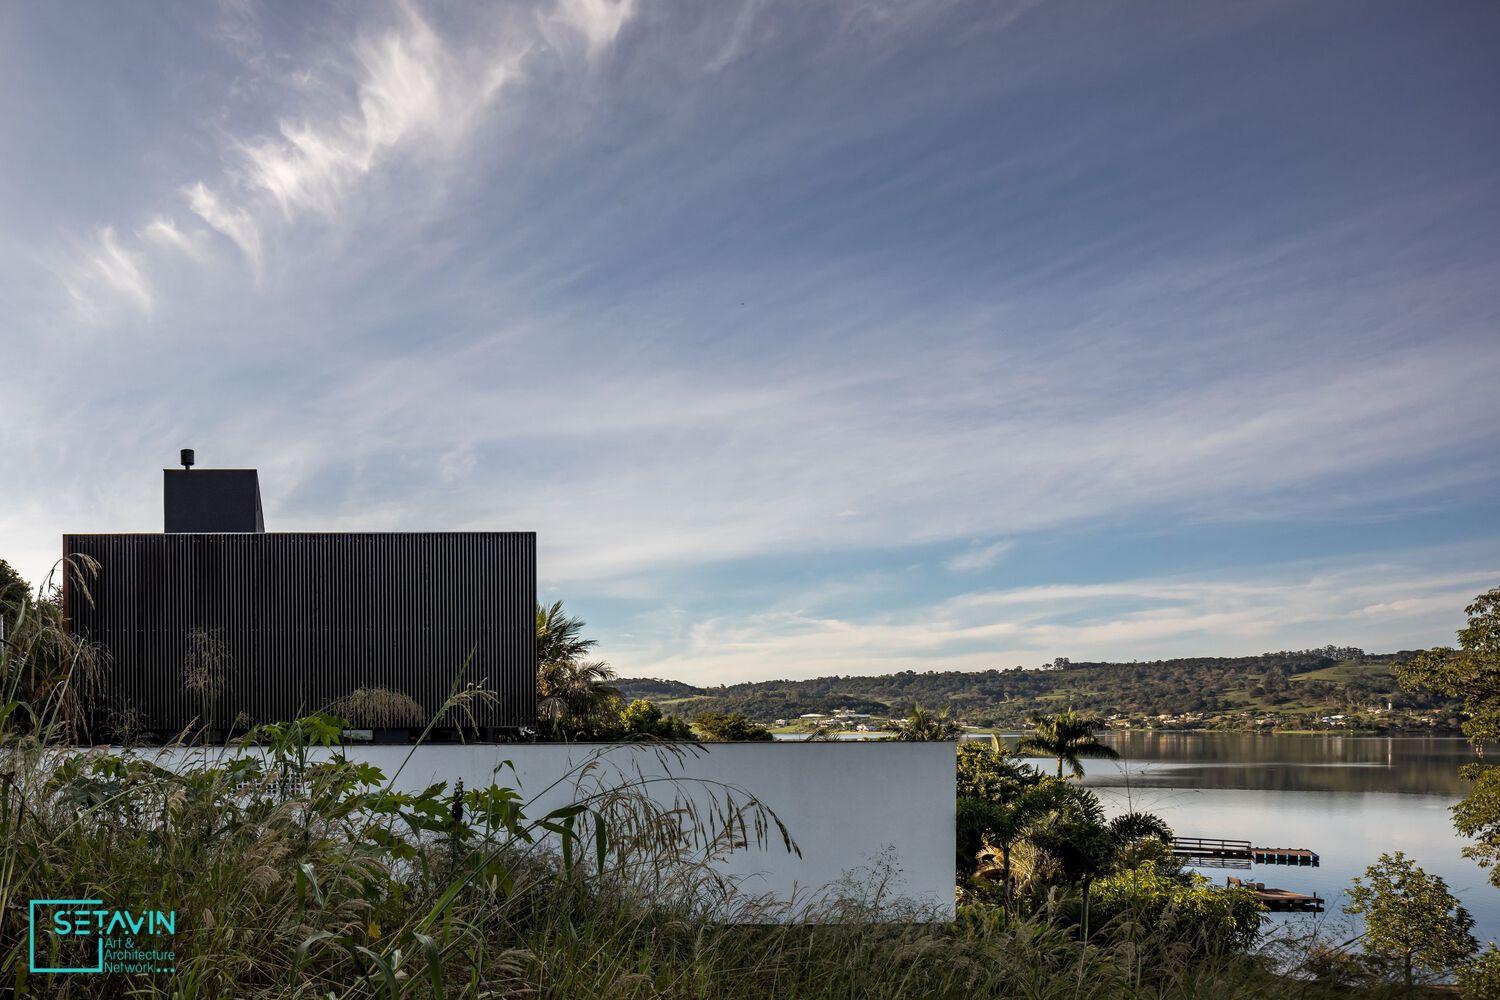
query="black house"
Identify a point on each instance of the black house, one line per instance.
(218, 623)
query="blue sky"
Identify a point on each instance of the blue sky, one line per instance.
(810, 337)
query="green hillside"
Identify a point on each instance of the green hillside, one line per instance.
(1288, 689)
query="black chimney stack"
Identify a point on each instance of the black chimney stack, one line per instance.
(213, 500)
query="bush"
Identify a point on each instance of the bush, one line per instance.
(1206, 918)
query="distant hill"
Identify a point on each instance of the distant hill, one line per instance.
(1290, 687)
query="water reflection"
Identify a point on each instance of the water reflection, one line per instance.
(1349, 798)
(1417, 765)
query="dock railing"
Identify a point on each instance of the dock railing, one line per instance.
(1211, 846)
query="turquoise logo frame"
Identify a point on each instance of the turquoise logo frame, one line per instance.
(32, 935)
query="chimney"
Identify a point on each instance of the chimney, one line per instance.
(210, 500)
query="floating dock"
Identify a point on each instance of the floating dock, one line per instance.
(1217, 852)
(1279, 900)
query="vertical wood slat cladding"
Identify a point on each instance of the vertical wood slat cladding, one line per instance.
(308, 617)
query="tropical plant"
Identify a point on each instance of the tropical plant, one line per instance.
(559, 636)
(1069, 839)
(1413, 923)
(1066, 736)
(1001, 825)
(987, 770)
(1194, 914)
(927, 727)
(575, 696)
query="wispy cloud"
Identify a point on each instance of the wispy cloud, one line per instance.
(234, 223)
(836, 302)
(1384, 606)
(595, 22)
(979, 557)
(117, 269)
(397, 90)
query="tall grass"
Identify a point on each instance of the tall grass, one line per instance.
(302, 874)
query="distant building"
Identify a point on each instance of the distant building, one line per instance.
(298, 620)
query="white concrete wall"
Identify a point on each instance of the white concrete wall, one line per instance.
(858, 812)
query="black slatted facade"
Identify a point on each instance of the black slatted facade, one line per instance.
(309, 617)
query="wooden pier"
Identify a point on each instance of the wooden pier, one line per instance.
(1279, 900)
(1217, 852)
(1283, 856)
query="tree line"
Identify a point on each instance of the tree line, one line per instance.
(1008, 698)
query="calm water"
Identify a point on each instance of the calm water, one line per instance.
(1346, 797)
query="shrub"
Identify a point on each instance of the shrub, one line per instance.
(1206, 918)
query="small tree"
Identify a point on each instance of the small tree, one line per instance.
(1412, 922)
(1471, 672)
(732, 728)
(989, 771)
(642, 718)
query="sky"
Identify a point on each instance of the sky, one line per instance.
(810, 337)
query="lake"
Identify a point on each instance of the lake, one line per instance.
(1347, 798)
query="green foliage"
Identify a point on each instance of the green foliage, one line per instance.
(643, 719)
(1318, 682)
(15, 592)
(1472, 672)
(989, 771)
(1413, 924)
(297, 873)
(1479, 978)
(718, 727)
(1203, 917)
(50, 675)
(559, 636)
(575, 697)
(923, 726)
(1066, 736)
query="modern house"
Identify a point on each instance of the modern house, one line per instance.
(217, 623)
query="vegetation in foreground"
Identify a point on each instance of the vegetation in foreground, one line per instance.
(296, 878)
(298, 875)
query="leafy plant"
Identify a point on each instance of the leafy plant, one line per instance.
(1472, 672)
(1412, 922)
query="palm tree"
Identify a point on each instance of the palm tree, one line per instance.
(559, 637)
(1066, 736)
(575, 693)
(1072, 832)
(572, 692)
(1006, 824)
(923, 726)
